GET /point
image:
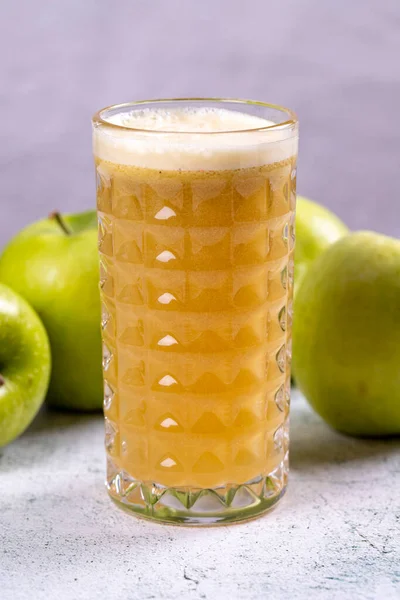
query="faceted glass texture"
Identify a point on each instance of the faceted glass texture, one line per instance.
(196, 278)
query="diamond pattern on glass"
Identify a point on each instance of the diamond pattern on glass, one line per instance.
(133, 335)
(105, 242)
(132, 293)
(275, 481)
(162, 502)
(103, 186)
(168, 423)
(167, 341)
(106, 279)
(208, 463)
(165, 256)
(244, 458)
(292, 231)
(166, 298)
(278, 438)
(285, 233)
(284, 277)
(111, 431)
(289, 350)
(128, 206)
(282, 318)
(165, 213)
(107, 357)
(290, 271)
(108, 396)
(169, 462)
(136, 416)
(242, 498)
(105, 317)
(208, 423)
(189, 273)
(129, 252)
(281, 359)
(280, 398)
(251, 245)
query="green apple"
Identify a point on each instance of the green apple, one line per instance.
(54, 265)
(24, 364)
(316, 229)
(346, 333)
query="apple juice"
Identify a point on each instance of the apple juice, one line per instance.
(196, 278)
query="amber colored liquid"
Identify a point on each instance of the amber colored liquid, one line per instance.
(196, 282)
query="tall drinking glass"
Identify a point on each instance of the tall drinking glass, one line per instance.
(196, 205)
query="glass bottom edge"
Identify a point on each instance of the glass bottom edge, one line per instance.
(198, 507)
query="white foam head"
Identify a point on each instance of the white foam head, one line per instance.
(192, 139)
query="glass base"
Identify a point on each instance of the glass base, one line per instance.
(193, 506)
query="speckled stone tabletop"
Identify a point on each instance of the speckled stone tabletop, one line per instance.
(336, 534)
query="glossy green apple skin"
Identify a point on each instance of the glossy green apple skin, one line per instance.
(316, 229)
(346, 332)
(24, 364)
(58, 275)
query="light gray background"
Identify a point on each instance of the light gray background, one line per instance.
(336, 62)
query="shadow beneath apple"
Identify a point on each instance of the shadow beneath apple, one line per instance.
(314, 444)
(54, 436)
(50, 419)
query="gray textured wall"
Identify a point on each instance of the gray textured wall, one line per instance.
(337, 63)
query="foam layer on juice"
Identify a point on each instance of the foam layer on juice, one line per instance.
(192, 139)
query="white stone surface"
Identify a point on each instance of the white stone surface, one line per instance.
(335, 535)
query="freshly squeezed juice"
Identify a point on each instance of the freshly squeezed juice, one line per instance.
(196, 272)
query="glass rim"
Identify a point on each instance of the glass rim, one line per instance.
(289, 123)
